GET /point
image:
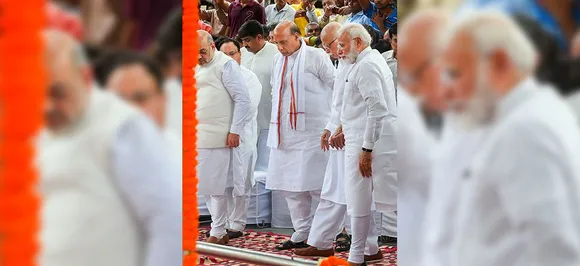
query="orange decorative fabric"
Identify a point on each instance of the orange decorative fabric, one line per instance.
(21, 101)
(190, 54)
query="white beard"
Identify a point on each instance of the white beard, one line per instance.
(352, 55)
(479, 110)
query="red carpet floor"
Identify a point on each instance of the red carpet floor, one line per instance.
(266, 242)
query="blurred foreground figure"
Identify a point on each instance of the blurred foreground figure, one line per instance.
(520, 194)
(368, 119)
(223, 111)
(415, 144)
(111, 195)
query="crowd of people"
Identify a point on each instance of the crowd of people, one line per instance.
(446, 130)
(270, 83)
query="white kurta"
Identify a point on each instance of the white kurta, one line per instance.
(261, 64)
(126, 206)
(520, 196)
(174, 105)
(214, 164)
(333, 188)
(451, 157)
(250, 145)
(414, 145)
(368, 120)
(297, 163)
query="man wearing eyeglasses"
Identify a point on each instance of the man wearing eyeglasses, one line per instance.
(248, 155)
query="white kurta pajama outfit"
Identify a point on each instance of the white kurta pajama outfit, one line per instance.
(111, 191)
(451, 158)
(261, 64)
(520, 197)
(223, 107)
(302, 92)
(329, 218)
(368, 121)
(238, 206)
(414, 147)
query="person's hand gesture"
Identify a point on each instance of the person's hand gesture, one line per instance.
(233, 140)
(365, 164)
(324, 140)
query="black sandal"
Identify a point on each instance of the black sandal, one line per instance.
(291, 245)
(342, 243)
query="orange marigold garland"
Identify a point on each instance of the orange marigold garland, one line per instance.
(190, 53)
(22, 89)
(332, 261)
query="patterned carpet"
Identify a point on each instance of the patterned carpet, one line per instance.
(265, 242)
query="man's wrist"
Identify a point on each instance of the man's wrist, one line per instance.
(367, 150)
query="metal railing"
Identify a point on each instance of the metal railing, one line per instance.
(249, 256)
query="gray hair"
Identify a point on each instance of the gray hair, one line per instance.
(355, 30)
(491, 31)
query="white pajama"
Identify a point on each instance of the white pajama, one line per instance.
(230, 167)
(238, 210)
(364, 238)
(301, 205)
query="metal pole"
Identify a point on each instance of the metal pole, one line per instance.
(249, 256)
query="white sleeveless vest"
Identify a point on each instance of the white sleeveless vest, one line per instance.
(85, 220)
(214, 104)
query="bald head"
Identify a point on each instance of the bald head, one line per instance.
(206, 47)
(286, 27)
(286, 36)
(330, 30)
(417, 47)
(63, 51)
(69, 78)
(422, 29)
(204, 38)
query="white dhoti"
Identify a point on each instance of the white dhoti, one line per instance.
(222, 174)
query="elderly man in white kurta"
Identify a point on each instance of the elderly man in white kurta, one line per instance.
(106, 174)
(329, 217)
(257, 56)
(223, 111)
(368, 119)
(239, 214)
(302, 81)
(521, 192)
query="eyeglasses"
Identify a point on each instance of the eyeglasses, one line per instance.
(327, 47)
(232, 53)
(409, 79)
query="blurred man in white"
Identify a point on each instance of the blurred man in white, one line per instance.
(237, 223)
(105, 174)
(302, 82)
(223, 111)
(415, 143)
(368, 119)
(520, 195)
(329, 217)
(257, 56)
(139, 80)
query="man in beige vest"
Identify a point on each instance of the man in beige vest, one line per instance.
(223, 110)
(111, 192)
